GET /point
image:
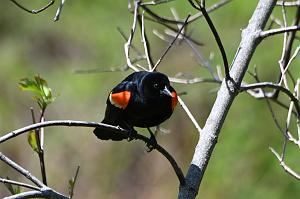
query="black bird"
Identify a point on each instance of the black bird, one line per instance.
(143, 99)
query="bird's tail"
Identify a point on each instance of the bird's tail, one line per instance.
(108, 134)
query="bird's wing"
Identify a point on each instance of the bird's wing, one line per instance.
(120, 95)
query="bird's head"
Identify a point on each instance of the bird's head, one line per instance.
(156, 84)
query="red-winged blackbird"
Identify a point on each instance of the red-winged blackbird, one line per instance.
(143, 99)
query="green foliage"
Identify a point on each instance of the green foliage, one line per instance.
(13, 189)
(32, 140)
(43, 96)
(39, 87)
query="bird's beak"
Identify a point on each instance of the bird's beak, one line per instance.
(166, 92)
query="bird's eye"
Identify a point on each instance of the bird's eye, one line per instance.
(155, 86)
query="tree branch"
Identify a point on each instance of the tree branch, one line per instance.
(70, 123)
(275, 86)
(225, 97)
(170, 45)
(21, 170)
(44, 191)
(33, 11)
(288, 3)
(215, 34)
(7, 181)
(277, 31)
(284, 166)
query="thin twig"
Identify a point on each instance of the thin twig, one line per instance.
(210, 9)
(282, 62)
(146, 43)
(127, 45)
(139, 54)
(40, 141)
(190, 115)
(170, 45)
(45, 192)
(287, 46)
(160, 18)
(6, 181)
(272, 32)
(216, 36)
(201, 60)
(21, 170)
(94, 125)
(28, 194)
(284, 166)
(288, 3)
(157, 2)
(275, 86)
(193, 80)
(74, 180)
(33, 11)
(59, 10)
(288, 64)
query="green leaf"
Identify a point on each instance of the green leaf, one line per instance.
(29, 85)
(13, 189)
(32, 141)
(39, 86)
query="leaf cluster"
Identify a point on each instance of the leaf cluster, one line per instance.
(39, 86)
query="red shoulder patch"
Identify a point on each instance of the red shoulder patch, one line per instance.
(121, 99)
(174, 99)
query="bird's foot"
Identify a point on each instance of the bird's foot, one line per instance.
(152, 143)
(131, 134)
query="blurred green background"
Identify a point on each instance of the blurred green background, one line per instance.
(86, 37)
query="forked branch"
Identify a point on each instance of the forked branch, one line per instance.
(116, 129)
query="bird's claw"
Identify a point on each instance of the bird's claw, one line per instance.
(151, 144)
(131, 135)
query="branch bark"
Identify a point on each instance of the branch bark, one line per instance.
(103, 126)
(227, 93)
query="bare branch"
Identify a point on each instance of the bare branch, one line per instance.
(45, 192)
(74, 180)
(51, 2)
(210, 9)
(276, 31)
(146, 44)
(193, 81)
(216, 36)
(284, 166)
(190, 115)
(288, 64)
(28, 194)
(93, 124)
(170, 45)
(59, 10)
(156, 2)
(22, 171)
(160, 18)
(275, 86)
(127, 45)
(288, 3)
(210, 131)
(6, 181)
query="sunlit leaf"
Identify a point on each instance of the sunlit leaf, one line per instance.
(29, 85)
(39, 86)
(32, 141)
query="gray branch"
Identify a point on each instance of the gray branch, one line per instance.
(45, 192)
(103, 126)
(227, 93)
